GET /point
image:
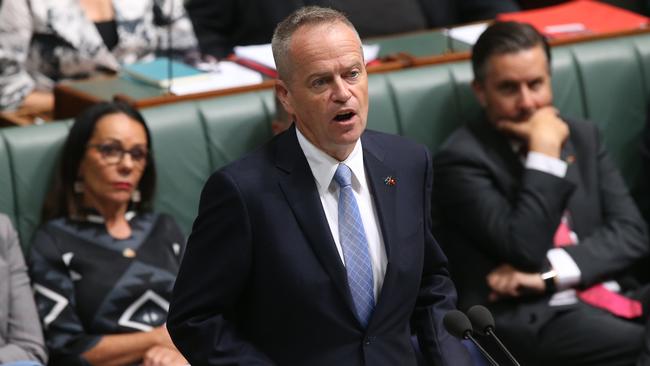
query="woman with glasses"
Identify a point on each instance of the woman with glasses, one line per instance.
(102, 264)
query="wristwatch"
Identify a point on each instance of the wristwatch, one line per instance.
(549, 281)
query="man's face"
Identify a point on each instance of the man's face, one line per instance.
(327, 87)
(515, 85)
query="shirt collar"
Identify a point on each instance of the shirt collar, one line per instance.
(324, 166)
(93, 216)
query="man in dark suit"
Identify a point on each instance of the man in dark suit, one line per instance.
(317, 248)
(535, 216)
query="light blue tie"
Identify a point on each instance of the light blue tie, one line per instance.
(355, 247)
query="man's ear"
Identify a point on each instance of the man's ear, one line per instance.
(479, 92)
(282, 93)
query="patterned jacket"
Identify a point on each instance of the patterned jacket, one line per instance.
(44, 41)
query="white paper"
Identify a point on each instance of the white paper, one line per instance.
(224, 75)
(263, 54)
(565, 28)
(467, 33)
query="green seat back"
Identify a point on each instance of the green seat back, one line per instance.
(381, 109)
(182, 161)
(235, 125)
(566, 83)
(614, 95)
(34, 154)
(7, 203)
(462, 76)
(426, 103)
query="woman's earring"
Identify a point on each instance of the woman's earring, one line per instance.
(135, 196)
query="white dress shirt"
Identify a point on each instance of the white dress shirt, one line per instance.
(568, 273)
(323, 168)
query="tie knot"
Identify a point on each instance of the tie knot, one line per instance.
(343, 175)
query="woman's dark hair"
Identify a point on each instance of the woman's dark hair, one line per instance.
(505, 37)
(62, 201)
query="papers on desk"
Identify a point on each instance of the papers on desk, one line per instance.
(578, 17)
(467, 33)
(224, 75)
(158, 71)
(260, 57)
(189, 80)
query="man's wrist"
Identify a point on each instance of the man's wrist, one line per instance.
(551, 149)
(549, 281)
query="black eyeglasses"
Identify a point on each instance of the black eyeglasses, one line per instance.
(113, 153)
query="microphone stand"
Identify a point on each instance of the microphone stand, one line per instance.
(170, 71)
(490, 331)
(468, 335)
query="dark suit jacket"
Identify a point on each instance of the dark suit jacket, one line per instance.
(490, 210)
(262, 282)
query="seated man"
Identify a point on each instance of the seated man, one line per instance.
(532, 203)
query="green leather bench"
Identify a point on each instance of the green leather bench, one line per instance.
(607, 81)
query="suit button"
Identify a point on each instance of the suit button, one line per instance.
(368, 341)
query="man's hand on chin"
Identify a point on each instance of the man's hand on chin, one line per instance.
(543, 132)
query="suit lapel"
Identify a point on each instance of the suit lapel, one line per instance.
(300, 190)
(500, 153)
(569, 156)
(385, 203)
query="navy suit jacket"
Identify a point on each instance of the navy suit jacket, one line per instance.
(262, 282)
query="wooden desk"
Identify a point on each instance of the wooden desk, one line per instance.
(424, 48)
(396, 52)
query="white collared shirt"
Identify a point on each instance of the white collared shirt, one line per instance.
(323, 168)
(568, 272)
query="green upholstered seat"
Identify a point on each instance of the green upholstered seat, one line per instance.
(461, 74)
(566, 83)
(614, 95)
(7, 202)
(34, 153)
(381, 111)
(182, 161)
(607, 81)
(641, 45)
(426, 103)
(235, 125)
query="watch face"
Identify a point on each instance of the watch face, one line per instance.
(549, 274)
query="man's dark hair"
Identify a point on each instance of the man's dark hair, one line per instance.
(505, 37)
(62, 201)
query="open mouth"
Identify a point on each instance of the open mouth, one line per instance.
(342, 117)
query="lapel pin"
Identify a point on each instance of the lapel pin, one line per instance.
(390, 181)
(128, 253)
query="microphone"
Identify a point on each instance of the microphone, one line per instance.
(458, 325)
(162, 20)
(483, 321)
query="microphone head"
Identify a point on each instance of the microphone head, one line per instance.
(481, 318)
(457, 324)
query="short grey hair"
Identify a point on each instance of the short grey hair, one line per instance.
(308, 15)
